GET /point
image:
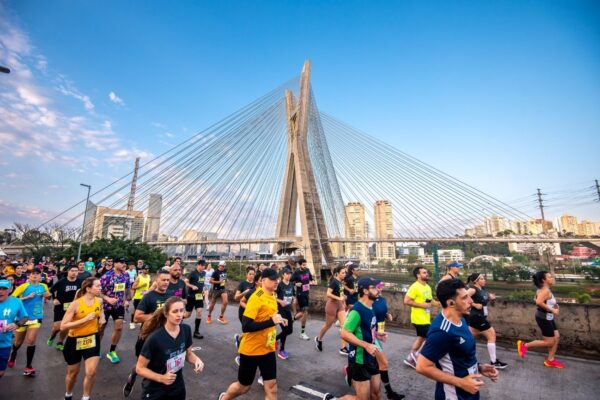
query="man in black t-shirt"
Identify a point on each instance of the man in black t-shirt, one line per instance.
(195, 299)
(176, 284)
(218, 281)
(63, 292)
(301, 279)
(82, 274)
(151, 301)
(285, 297)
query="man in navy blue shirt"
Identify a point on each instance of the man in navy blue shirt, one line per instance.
(448, 356)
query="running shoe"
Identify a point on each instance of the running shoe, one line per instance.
(282, 354)
(50, 342)
(29, 372)
(414, 356)
(10, 364)
(344, 351)
(222, 320)
(237, 360)
(499, 364)
(197, 335)
(60, 346)
(391, 395)
(337, 322)
(328, 396)
(221, 395)
(209, 320)
(554, 364)
(411, 363)
(132, 325)
(318, 344)
(347, 377)
(260, 381)
(68, 397)
(521, 348)
(236, 337)
(113, 357)
(128, 385)
(304, 336)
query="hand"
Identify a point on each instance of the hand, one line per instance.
(492, 296)
(277, 319)
(194, 287)
(426, 305)
(471, 383)
(489, 371)
(555, 311)
(168, 378)
(126, 305)
(10, 327)
(90, 316)
(371, 349)
(382, 336)
(56, 302)
(284, 322)
(298, 284)
(111, 300)
(390, 317)
(198, 365)
(101, 321)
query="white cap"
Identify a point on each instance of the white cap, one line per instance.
(349, 263)
(222, 263)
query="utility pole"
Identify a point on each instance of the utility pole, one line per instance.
(541, 203)
(598, 189)
(87, 200)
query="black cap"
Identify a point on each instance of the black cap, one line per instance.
(145, 266)
(36, 270)
(118, 259)
(270, 273)
(364, 283)
(201, 262)
(286, 270)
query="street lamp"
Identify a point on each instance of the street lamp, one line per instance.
(84, 215)
(4, 70)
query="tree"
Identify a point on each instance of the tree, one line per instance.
(412, 259)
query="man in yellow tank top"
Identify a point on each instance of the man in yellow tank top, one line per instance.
(141, 286)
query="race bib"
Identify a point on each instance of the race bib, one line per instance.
(271, 338)
(428, 310)
(485, 311)
(381, 327)
(549, 316)
(199, 296)
(86, 342)
(473, 370)
(287, 299)
(223, 282)
(306, 287)
(119, 287)
(175, 363)
(3, 324)
(65, 306)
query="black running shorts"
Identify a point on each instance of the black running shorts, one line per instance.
(362, 372)
(248, 364)
(547, 327)
(73, 356)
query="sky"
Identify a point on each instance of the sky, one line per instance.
(503, 95)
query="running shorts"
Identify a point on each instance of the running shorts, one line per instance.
(362, 372)
(333, 307)
(115, 313)
(302, 302)
(32, 323)
(4, 355)
(480, 323)
(547, 327)
(267, 364)
(216, 294)
(193, 303)
(84, 347)
(169, 393)
(59, 312)
(422, 330)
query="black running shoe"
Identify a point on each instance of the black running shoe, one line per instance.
(391, 395)
(318, 344)
(328, 396)
(197, 335)
(129, 385)
(499, 364)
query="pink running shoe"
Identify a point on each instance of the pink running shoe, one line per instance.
(521, 348)
(554, 364)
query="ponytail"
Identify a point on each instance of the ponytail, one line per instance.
(539, 278)
(159, 318)
(87, 283)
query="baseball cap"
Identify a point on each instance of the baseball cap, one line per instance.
(364, 283)
(287, 270)
(349, 263)
(118, 259)
(222, 263)
(201, 262)
(36, 271)
(455, 264)
(145, 266)
(270, 273)
(4, 284)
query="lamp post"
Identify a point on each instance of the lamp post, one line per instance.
(87, 200)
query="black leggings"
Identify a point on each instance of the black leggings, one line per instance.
(285, 330)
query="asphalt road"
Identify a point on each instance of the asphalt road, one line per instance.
(523, 379)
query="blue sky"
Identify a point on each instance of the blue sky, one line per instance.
(503, 95)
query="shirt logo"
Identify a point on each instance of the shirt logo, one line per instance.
(6, 312)
(461, 340)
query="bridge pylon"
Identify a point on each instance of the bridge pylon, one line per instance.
(299, 187)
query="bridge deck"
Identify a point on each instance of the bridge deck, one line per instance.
(527, 379)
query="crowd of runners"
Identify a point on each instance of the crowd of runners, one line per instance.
(85, 296)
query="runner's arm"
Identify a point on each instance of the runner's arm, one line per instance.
(250, 325)
(141, 368)
(427, 368)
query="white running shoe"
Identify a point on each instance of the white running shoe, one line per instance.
(304, 336)
(132, 325)
(260, 381)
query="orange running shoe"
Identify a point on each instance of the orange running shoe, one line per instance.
(209, 320)
(554, 364)
(521, 348)
(222, 320)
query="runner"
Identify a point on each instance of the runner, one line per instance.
(140, 286)
(19, 277)
(151, 301)
(83, 319)
(14, 316)
(244, 288)
(257, 348)
(207, 285)
(242, 308)
(358, 330)
(285, 297)
(420, 299)
(167, 345)
(177, 286)
(335, 308)
(89, 265)
(350, 286)
(132, 272)
(63, 293)
(218, 281)
(195, 300)
(452, 271)
(448, 357)
(545, 316)
(380, 309)
(116, 294)
(82, 274)
(301, 279)
(478, 322)
(31, 293)
(105, 268)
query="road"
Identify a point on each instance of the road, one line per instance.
(523, 379)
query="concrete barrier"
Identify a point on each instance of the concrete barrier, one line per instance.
(578, 324)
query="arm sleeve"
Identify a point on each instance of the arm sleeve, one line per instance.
(249, 325)
(436, 346)
(20, 289)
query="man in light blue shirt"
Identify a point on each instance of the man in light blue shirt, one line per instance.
(12, 316)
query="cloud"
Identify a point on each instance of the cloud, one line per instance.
(73, 92)
(11, 213)
(116, 99)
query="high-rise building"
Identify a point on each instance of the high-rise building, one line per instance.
(356, 228)
(496, 224)
(89, 224)
(152, 228)
(586, 228)
(568, 224)
(539, 226)
(384, 229)
(121, 224)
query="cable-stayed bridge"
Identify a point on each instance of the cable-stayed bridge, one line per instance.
(279, 171)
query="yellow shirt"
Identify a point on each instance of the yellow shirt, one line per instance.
(83, 310)
(419, 293)
(142, 286)
(260, 307)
